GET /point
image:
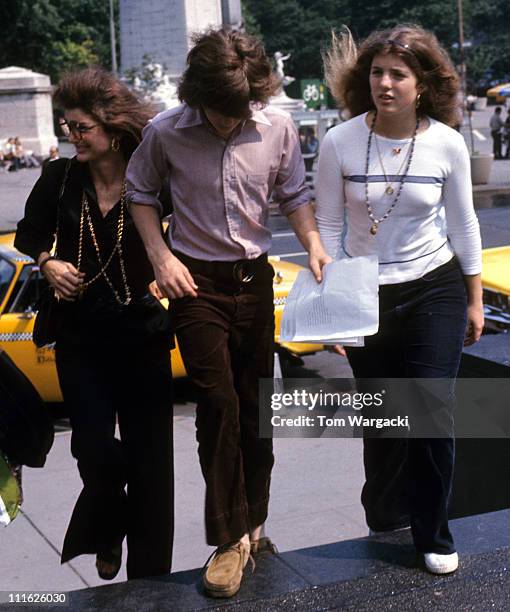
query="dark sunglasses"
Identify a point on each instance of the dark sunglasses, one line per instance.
(75, 128)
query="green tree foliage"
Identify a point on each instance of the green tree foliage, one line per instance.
(488, 27)
(53, 36)
(302, 27)
(70, 55)
(250, 23)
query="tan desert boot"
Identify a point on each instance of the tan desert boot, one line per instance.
(223, 576)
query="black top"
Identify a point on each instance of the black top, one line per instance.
(36, 231)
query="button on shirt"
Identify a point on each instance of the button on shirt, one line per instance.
(220, 188)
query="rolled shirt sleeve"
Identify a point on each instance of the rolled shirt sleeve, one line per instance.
(147, 170)
(290, 189)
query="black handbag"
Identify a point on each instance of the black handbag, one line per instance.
(45, 324)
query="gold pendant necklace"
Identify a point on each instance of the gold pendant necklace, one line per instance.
(389, 184)
(409, 157)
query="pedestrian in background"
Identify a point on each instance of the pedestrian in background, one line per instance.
(313, 148)
(506, 135)
(402, 176)
(27, 159)
(13, 160)
(112, 337)
(496, 125)
(53, 154)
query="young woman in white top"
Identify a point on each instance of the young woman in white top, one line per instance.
(395, 181)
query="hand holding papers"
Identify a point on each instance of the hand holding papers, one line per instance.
(342, 309)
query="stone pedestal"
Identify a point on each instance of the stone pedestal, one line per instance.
(481, 164)
(26, 110)
(291, 105)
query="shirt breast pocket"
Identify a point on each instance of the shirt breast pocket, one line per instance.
(265, 179)
(258, 179)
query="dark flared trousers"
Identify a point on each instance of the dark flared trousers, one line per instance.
(226, 339)
(132, 384)
(421, 333)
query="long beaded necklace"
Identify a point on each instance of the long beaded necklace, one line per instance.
(85, 216)
(375, 222)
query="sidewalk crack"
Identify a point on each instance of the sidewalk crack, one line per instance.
(53, 547)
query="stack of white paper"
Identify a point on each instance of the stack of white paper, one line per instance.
(342, 309)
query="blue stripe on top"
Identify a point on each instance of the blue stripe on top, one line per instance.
(394, 178)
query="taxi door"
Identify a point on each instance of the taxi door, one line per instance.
(16, 325)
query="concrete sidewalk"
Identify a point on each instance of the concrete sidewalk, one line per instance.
(315, 493)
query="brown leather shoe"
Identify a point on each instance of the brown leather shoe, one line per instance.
(223, 576)
(263, 545)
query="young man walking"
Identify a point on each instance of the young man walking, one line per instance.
(225, 152)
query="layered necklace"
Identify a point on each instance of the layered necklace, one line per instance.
(86, 218)
(389, 184)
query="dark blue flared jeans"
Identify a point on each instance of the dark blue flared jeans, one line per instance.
(421, 333)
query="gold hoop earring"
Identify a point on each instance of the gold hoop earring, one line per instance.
(418, 101)
(115, 144)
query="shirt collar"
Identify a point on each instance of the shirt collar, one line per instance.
(259, 116)
(192, 117)
(189, 118)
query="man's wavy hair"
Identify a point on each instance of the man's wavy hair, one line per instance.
(111, 103)
(347, 70)
(226, 71)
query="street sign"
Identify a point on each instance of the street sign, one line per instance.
(313, 93)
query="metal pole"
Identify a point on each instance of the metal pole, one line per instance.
(463, 72)
(112, 39)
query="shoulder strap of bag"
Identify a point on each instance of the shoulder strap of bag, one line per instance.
(60, 196)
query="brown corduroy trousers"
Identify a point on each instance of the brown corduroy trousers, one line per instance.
(226, 339)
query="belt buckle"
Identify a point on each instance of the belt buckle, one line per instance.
(243, 272)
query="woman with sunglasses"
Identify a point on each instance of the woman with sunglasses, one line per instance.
(112, 336)
(401, 176)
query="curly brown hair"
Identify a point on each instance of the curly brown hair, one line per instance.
(226, 70)
(347, 70)
(109, 101)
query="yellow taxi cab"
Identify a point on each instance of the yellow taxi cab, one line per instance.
(20, 286)
(496, 288)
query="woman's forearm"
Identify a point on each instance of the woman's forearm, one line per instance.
(474, 288)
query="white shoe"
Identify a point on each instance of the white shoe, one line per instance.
(441, 564)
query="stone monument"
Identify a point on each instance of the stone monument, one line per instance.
(26, 110)
(281, 99)
(161, 29)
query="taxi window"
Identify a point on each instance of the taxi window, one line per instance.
(26, 292)
(6, 273)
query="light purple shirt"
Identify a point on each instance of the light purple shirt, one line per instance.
(220, 188)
